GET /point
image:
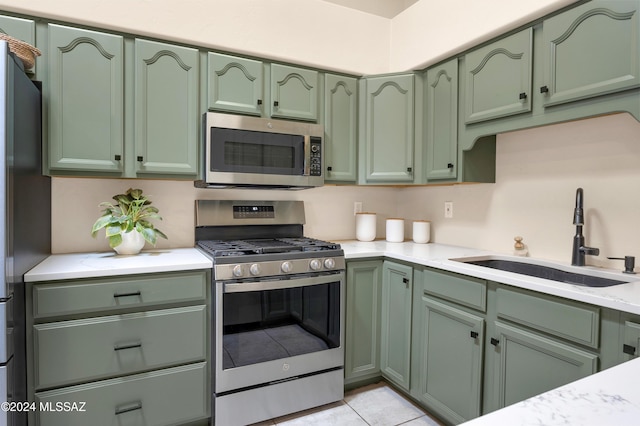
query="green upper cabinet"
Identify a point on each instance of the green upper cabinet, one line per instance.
(591, 50)
(166, 108)
(340, 128)
(442, 121)
(294, 92)
(86, 100)
(22, 29)
(235, 84)
(388, 152)
(395, 339)
(498, 78)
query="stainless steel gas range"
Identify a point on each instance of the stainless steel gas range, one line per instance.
(277, 310)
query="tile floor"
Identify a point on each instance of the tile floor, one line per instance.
(378, 404)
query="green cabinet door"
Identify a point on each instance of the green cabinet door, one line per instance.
(451, 364)
(591, 50)
(631, 339)
(527, 364)
(395, 339)
(86, 100)
(166, 109)
(235, 84)
(442, 121)
(362, 331)
(340, 127)
(389, 130)
(294, 92)
(498, 78)
(22, 29)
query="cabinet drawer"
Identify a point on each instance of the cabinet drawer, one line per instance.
(110, 294)
(563, 318)
(166, 397)
(467, 291)
(81, 350)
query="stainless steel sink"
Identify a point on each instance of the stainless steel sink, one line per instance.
(549, 271)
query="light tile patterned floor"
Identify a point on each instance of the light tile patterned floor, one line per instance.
(376, 405)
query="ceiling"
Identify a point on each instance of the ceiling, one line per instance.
(384, 8)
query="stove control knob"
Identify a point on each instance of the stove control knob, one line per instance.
(329, 263)
(238, 271)
(315, 264)
(286, 267)
(254, 269)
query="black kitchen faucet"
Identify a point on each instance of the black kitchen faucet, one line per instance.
(579, 249)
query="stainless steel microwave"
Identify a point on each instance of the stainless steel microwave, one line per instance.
(259, 152)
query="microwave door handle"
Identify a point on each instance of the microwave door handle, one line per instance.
(307, 155)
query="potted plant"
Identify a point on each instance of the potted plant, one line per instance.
(127, 222)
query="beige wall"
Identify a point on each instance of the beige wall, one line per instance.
(310, 32)
(430, 31)
(329, 210)
(537, 173)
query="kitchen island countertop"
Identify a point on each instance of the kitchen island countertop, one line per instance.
(105, 264)
(610, 397)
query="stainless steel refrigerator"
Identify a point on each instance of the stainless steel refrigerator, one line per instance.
(25, 218)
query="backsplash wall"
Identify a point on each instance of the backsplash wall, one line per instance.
(537, 173)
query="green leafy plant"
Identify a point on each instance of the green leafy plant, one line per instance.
(132, 210)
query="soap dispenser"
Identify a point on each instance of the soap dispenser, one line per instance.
(519, 249)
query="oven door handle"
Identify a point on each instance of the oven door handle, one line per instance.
(281, 284)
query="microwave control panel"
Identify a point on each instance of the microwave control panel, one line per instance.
(316, 157)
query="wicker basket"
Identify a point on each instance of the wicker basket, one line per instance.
(24, 51)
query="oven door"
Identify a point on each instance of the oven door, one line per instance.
(270, 331)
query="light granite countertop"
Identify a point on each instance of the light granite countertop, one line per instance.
(608, 397)
(624, 297)
(105, 264)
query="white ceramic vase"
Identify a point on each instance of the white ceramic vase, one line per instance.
(132, 243)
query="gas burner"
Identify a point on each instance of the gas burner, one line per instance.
(220, 248)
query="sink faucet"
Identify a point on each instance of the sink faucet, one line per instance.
(579, 249)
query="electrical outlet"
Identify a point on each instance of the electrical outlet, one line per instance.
(448, 209)
(357, 207)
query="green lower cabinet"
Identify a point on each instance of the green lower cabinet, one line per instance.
(451, 351)
(362, 330)
(164, 397)
(395, 339)
(97, 348)
(526, 364)
(631, 338)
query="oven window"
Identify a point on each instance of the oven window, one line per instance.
(274, 324)
(256, 152)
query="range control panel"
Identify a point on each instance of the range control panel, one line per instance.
(253, 212)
